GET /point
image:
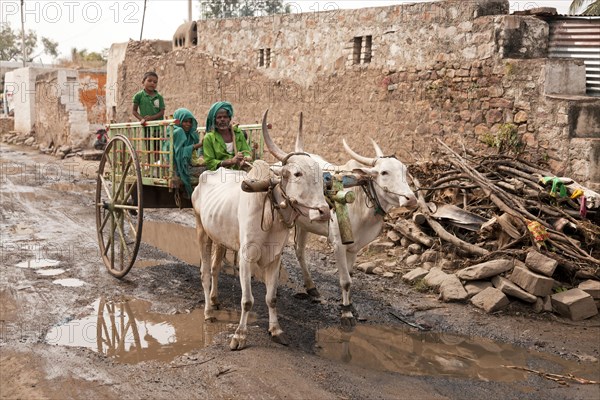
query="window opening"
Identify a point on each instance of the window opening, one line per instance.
(356, 50)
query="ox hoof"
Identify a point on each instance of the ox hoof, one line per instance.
(314, 293)
(237, 343)
(348, 323)
(281, 339)
(301, 295)
(210, 319)
(215, 305)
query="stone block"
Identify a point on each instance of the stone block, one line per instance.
(574, 304)
(452, 290)
(533, 283)
(542, 304)
(435, 277)
(415, 274)
(591, 287)
(474, 287)
(540, 263)
(510, 289)
(485, 270)
(490, 300)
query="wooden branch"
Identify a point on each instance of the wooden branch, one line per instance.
(411, 231)
(442, 233)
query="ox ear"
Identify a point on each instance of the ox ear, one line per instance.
(368, 172)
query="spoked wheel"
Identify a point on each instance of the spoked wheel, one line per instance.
(119, 207)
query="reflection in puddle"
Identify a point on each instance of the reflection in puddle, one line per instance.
(41, 263)
(417, 353)
(50, 272)
(129, 333)
(69, 282)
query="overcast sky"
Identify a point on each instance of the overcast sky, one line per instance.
(95, 25)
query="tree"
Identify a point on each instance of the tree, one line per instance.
(592, 9)
(241, 8)
(10, 45)
(77, 56)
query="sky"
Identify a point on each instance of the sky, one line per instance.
(95, 25)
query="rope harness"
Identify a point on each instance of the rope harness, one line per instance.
(296, 208)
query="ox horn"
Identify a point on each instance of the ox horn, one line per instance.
(276, 151)
(359, 158)
(299, 144)
(378, 151)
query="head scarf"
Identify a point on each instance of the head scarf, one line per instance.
(182, 114)
(212, 113)
(183, 143)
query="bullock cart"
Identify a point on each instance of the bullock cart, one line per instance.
(137, 171)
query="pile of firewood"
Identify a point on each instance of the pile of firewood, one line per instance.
(490, 207)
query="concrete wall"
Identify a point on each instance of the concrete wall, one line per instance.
(116, 55)
(19, 87)
(70, 106)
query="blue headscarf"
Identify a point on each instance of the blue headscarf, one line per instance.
(183, 143)
(212, 114)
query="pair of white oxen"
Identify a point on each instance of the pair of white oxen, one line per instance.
(257, 225)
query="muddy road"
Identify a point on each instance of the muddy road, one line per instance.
(68, 329)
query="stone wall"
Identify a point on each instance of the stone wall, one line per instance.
(462, 72)
(7, 124)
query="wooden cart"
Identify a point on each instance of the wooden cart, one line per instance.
(137, 171)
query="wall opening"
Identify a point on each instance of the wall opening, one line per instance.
(356, 50)
(264, 57)
(367, 52)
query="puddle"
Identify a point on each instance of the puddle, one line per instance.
(434, 354)
(69, 282)
(50, 272)
(35, 264)
(148, 263)
(178, 240)
(129, 333)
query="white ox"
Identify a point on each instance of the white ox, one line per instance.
(387, 188)
(247, 223)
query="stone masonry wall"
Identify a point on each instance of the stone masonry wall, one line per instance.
(457, 74)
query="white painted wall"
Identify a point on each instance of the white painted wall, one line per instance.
(19, 88)
(116, 55)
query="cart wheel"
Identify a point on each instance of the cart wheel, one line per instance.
(119, 206)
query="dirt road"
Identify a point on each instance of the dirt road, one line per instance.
(70, 330)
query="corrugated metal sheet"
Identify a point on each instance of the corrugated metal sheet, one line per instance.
(577, 37)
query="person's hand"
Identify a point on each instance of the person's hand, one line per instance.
(143, 122)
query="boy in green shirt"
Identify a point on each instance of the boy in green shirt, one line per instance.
(149, 105)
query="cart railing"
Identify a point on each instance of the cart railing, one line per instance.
(153, 145)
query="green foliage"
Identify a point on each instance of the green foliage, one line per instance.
(78, 56)
(421, 286)
(560, 289)
(507, 139)
(593, 8)
(241, 8)
(10, 45)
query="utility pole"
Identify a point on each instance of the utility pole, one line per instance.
(189, 10)
(143, 17)
(23, 52)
